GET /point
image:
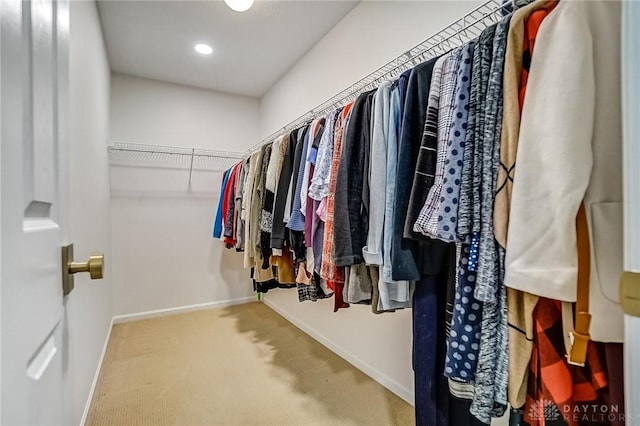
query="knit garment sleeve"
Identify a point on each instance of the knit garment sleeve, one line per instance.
(554, 159)
(273, 170)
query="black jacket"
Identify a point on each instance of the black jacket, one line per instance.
(350, 219)
(278, 230)
(406, 255)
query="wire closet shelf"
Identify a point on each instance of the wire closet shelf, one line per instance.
(459, 32)
(171, 157)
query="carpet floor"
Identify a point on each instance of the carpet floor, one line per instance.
(242, 365)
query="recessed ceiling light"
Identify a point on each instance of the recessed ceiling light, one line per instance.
(203, 49)
(239, 5)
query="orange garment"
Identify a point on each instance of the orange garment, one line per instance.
(329, 271)
(556, 388)
(284, 263)
(531, 27)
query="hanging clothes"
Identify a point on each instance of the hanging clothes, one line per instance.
(431, 389)
(349, 222)
(407, 197)
(546, 208)
(229, 206)
(520, 42)
(555, 387)
(389, 295)
(425, 167)
(247, 203)
(311, 205)
(217, 224)
(239, 211)
(319, 190)
(447, 212)
(278, 231)
(428, 218)
(372, 250)
(333, 274)
(404, 253)
(490, 399)
(392, 294)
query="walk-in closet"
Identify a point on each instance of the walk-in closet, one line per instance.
(305, 212)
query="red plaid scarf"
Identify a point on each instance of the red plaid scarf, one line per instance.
(555, 388)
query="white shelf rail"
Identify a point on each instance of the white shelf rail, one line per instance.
(171, 157)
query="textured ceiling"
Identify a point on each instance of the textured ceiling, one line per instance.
(252, 50)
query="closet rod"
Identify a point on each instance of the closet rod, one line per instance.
(459, 32)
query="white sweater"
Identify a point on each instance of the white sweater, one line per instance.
(275, 164)
(569, 149)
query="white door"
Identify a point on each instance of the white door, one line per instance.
(33, 89)
(631, 123)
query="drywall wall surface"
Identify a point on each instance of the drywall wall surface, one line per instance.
(164, 254)
(90, 305)
(153, 112)
(371, 35)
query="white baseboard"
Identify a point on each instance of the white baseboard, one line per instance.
(180, 309)
(95, 377)
(151, 314)
(387, 382)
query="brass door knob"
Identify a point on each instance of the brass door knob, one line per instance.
(94, 266)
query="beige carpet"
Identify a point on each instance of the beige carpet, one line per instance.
(243, 365)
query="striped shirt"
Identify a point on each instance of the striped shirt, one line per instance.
(426, 164)
(428, 215)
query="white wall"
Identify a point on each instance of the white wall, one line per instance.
(373, 33)
(158, 113)
(164, 255)
(89, 306)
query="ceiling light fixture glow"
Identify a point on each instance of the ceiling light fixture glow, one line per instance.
(203, 49)
(239, 5)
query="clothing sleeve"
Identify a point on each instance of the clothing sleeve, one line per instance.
(405, 253)
(343, 246)
(278, 233)
(554, 159)
(297, 219)
(304, 188)
(217, 224)
(248, 188)
(372, 252)
(272, 169)
(320, 178)
(229, 204)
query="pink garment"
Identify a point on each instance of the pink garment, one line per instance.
(322, 210)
